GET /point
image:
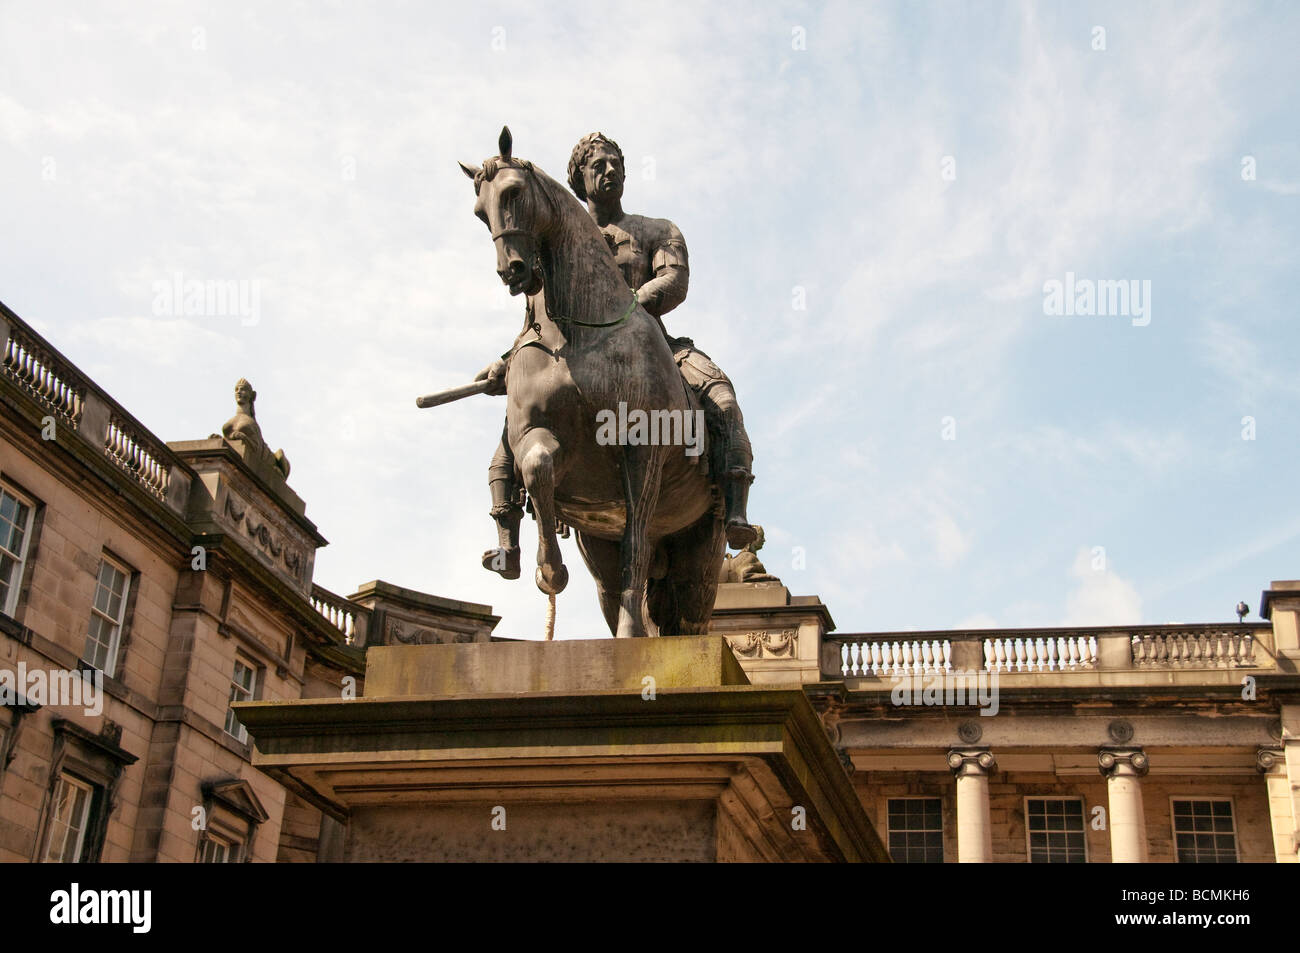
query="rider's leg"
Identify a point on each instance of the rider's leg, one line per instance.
(739, 462)
(719, 401)
(506, 511)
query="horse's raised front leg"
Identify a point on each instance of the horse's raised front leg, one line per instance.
(642, 470)
(539, 457)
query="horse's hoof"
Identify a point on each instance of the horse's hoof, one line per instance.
(503, 562)
(558, 580)
(740, 535)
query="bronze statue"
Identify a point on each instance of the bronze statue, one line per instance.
(648, 523)
(244, 432)
(651, 254)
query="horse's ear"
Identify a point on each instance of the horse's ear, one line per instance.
(469, 170)
(505, 143)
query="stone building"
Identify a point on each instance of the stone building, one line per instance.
(145, 585)
(1108, 744)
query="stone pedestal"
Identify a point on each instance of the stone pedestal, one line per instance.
(601, 750)
(777, 637)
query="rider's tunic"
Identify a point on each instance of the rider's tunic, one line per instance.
(651, 254)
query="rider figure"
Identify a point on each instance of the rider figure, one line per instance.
(651, 254)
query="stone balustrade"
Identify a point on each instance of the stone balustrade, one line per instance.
(34, 368)
(137, 454)
(78, 407)
(889, 658)
(346, 616)
(1225, 647)
(1030, 654)
(1049, 651)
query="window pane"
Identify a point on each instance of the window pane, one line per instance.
(915, 830)
(69, 812)
(1056, 831)
(1204, 832)
(13, 547)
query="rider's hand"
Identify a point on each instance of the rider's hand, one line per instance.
(495, 375)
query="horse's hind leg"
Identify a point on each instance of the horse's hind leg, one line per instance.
(694, 560)
(539, 457)
(602, 558)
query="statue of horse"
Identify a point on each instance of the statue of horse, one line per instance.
(647, 515)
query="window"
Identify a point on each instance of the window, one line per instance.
(233, 814)
(1204, 832)
(1055, 829)
(107, 616)
(916, 830)
(69, 820)
(242, 683)
(217, 850)
(15, 532)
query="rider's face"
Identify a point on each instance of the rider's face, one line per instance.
(602, 176)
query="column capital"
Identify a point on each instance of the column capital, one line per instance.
(1125, 762)
(971, 762)
(1270, 760)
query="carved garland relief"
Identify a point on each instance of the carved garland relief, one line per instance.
(259, 530)
(780, 643)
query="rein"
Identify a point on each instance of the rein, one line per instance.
(528, 170)
(604, 324)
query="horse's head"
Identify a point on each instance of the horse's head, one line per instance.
(516, 211)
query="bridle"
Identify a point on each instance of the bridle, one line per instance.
(527, 169)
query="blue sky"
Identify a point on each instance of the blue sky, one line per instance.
(313, 152)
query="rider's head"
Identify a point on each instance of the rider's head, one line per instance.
(596, 168)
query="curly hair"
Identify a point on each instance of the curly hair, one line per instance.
(582, 152)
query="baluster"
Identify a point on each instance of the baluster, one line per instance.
(947, 655)
(1092, 651)
(844, 659)
(1040, 653)
(1004, 654)
(990, 656)
(927, 658)
(907, 658)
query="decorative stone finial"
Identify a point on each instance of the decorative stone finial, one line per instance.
(745, 566)
(245, 434)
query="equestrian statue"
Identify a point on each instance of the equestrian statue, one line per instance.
(653, 502)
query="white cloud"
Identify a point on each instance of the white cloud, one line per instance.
(1100, 596)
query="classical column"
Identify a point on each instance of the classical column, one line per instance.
(1271, 762)
(1123, 767)
(972, 767)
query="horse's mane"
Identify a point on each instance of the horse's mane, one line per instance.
(576, 246)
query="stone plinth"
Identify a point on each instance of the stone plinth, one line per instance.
(777, 637)
(636, 750)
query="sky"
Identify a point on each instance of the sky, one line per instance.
(876, 198)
